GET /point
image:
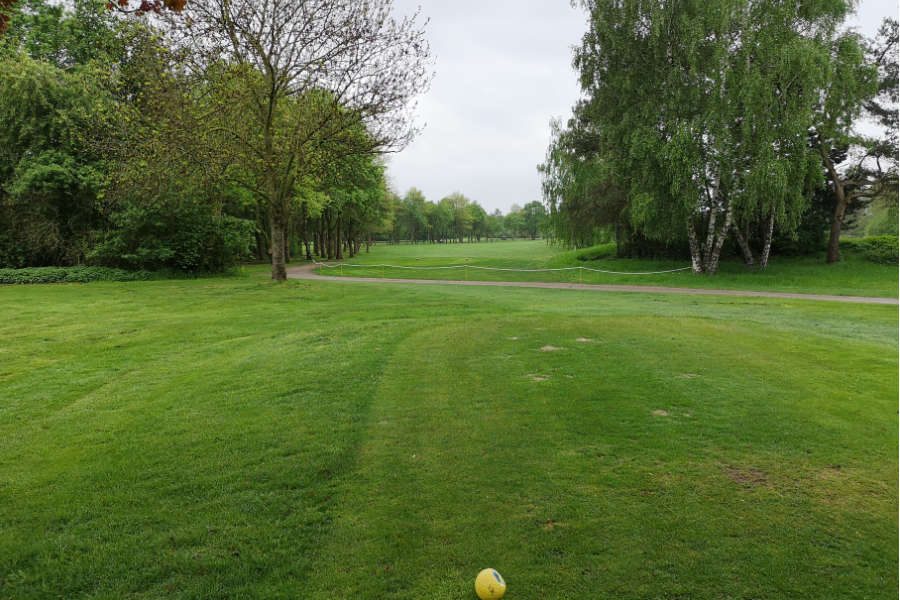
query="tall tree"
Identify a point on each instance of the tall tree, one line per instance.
(702, 108)
(849, 83)
(50, 173)
(310, 81)
(414, 218)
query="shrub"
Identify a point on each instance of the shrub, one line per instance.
(182, 237)
(70, 275)
(880, 249)
(597, 252)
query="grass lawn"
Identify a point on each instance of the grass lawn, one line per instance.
(234, 438)
(853, 276)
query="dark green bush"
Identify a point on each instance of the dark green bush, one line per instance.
(880, 249)
(182, 237)
(597, 252)
(70, 275)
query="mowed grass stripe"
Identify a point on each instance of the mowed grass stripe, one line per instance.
(567, 477)
(202, 472)
(203, 439)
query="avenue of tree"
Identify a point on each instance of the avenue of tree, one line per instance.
(229, 130)
(704, 121)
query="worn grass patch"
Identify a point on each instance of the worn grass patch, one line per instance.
(231, 438)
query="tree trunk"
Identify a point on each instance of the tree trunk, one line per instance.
(712, 261)
(338, 241)
(837, 219)
(279, 230)
(834, 237)
(745, 246)
(696, 257)
(767, 242)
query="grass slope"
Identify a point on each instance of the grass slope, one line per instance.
(853, 276)
(232, 438)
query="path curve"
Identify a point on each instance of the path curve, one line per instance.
(307, 271)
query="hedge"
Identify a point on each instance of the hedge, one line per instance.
(70, 275)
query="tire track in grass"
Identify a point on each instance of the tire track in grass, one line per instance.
(457, 447)
(219, 473)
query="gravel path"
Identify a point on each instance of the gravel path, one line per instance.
(307, 272)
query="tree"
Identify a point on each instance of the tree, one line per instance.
(849, 83)
(478, 219)
(494, 224)
(460, 219)
(413, 217)
(533, 216)
(50, 173)
(514, 222)
(296, 86)
(136, 7)
(576, 185)
(702, 111)
(67, 35)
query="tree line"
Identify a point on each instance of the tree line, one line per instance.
(221, 130)
(714, 121)
(455, 218)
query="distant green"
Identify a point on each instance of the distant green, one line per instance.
(234, 438)
(853, 276)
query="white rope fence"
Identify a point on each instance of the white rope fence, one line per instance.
(341, 265)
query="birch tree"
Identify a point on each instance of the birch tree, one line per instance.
(703, 108)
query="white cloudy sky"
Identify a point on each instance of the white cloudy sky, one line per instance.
(502, 70)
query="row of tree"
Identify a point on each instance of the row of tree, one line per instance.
(227, 128)
(708, 120)
(456, 218)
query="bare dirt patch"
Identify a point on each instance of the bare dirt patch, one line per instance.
(536, 377)
(550, 525)
(687, 376)
(660, 413)
(550, 348)
(747, 477)
(584, 340)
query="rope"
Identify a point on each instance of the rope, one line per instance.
(337, 265)
(639, 273)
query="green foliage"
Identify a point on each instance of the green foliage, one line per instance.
(51, 173)
(70, 275)
(695, 114)
(598, 252)
(884, 220)
(180, 236)
(881, 249)
(65, 35)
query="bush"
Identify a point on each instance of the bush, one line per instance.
(597, 252)
(881, 249)
(70, 275)
(182, 237)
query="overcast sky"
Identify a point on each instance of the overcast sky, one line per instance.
(502, 70)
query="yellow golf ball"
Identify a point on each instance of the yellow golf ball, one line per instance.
(489, 585)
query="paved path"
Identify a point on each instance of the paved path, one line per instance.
(307, 272)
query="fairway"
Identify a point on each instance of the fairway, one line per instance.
(536, 260)
(234, 438)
